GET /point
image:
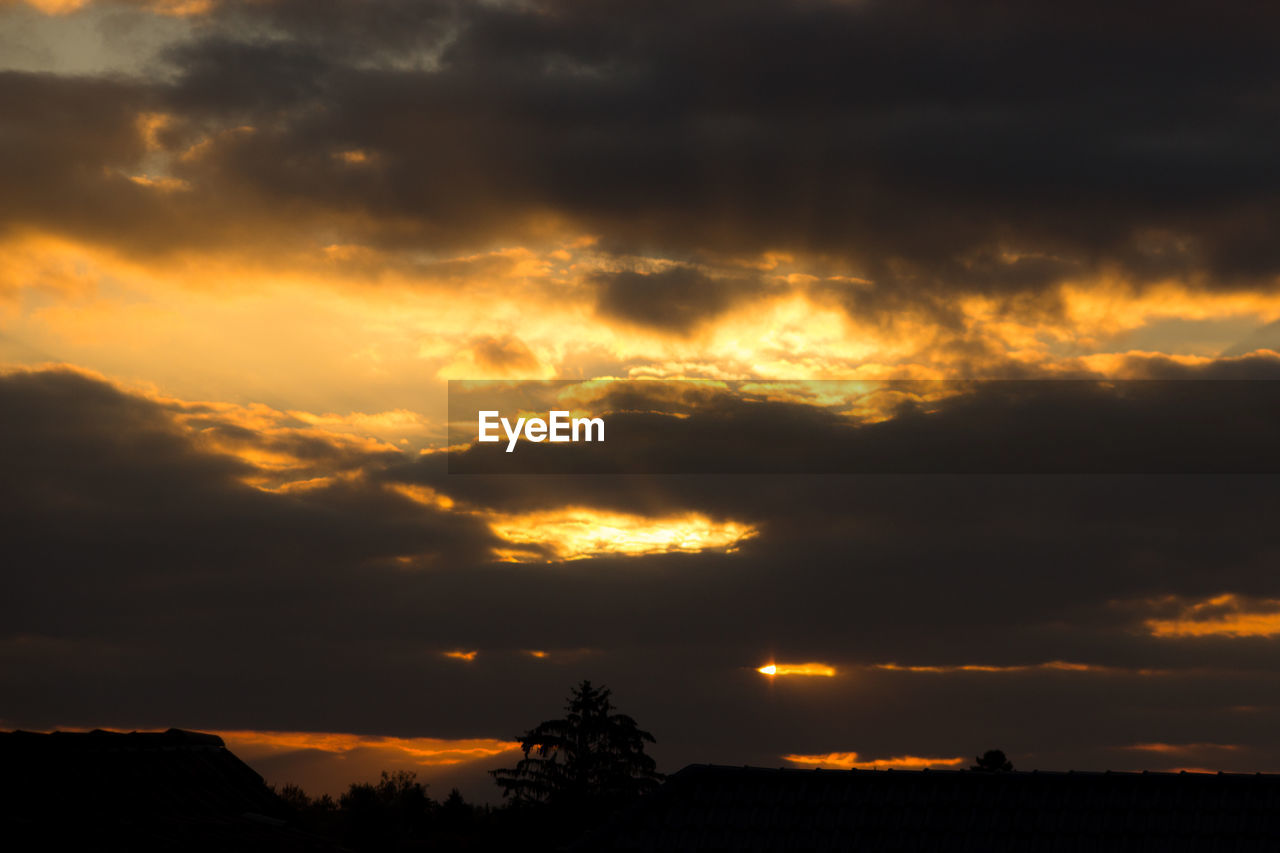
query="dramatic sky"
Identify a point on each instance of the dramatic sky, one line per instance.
(244, 244)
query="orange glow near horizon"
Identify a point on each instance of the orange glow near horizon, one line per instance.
(424, 751)
(818, 669)
(459, 654)
(252, 744)
(851, 761)
(1058, 665)
(1181, 748)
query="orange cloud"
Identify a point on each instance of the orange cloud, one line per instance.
(467, 656)
(1226, 615)
(851, 761)
(1059, 665)
(1180, 748)
(427, 752)
(57, 7)
(379, 330)
(576, 533)
(160, 183)
(175, 8)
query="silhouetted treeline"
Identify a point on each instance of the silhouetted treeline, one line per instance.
(396, 814)
(575, 772)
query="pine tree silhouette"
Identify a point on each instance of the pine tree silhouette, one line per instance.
(592, 758)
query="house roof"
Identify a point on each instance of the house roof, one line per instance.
(148, 790)
(708, 807)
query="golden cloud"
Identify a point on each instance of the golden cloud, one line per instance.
(174, 8)
(1051, 666)
(1226, 615)
(852, 761)
(576, 533)
(459, 654)
(1181, 748)
(427, 752)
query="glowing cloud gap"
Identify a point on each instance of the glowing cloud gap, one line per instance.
(467, 656)
(577, 533)
(1225, 615)
(851, 761)
(1058, 665)
(1181, 748)
(422, 750)
(775, 669)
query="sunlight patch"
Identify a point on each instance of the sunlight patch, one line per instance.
(1226, 615)
(424, 751)
(851, 761)
(1181, 748)
(1053, 665)
(580, 533)
(819, 669)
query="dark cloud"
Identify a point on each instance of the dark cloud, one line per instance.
(148, 586)
(65, 137)
(675, 300)
(106, 491)
(1255, 366)
(933, 148)
(1178, 425)
(999, 148)
(507, 353)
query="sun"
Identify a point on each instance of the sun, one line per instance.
(820, 669)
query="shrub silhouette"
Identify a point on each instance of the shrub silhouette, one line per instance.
(992, 761)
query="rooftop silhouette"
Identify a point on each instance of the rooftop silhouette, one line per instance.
(140, 790)
(708, 807)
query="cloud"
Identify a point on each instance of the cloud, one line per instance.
(924, 171)
(330, 208)
(852, 761)
(151, 586)
(1225, 615)
(575, 533)
(1044, 426)
(676, 299)
(327, 762)
(491, 357)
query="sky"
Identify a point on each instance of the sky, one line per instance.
(246, 244)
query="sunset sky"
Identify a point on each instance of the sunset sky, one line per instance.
(245, 244)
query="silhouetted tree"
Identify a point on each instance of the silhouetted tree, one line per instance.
(396, 808)
(294, 797)
(992, 761)
(455, 812)
(592, 758)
